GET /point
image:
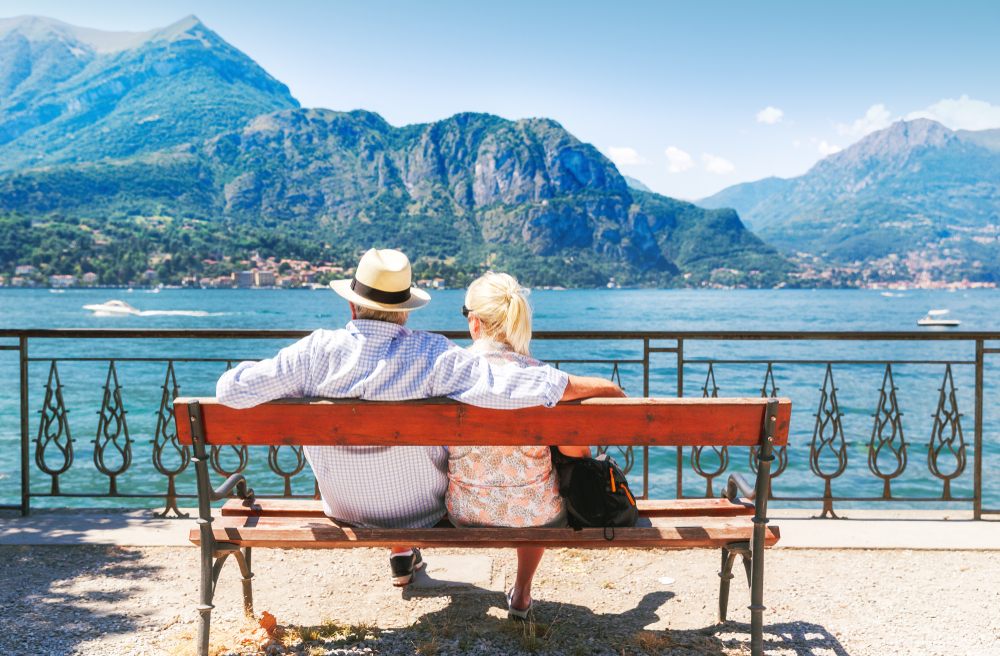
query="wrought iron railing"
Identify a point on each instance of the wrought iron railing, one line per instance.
(829, 452)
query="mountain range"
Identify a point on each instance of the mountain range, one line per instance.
(915, 187)
(178, 123)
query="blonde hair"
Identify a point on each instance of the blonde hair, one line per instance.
(501, 304)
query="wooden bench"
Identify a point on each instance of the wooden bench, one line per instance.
(734, 523)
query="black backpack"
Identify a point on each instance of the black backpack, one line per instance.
(595, 492)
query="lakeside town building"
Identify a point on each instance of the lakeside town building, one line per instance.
(242, 279)
(263, 278)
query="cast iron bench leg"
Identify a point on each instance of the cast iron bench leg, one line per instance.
(207, 589)
(243, 558)
(729, 553)
(763, 490)
(726, 574)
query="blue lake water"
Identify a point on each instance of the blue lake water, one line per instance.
(617, 310)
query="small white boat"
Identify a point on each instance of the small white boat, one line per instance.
(112, 308)
(936, 318)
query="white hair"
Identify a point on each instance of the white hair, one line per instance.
(501, 304)
(388, 316)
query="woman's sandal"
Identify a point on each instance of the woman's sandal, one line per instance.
(513, 613)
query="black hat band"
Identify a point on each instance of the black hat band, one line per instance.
(378, 295)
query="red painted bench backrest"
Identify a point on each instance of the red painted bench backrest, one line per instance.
(592, 422)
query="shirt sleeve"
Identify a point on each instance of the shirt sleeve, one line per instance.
(252, 383)
(471, 379)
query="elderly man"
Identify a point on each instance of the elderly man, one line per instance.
(376, 358)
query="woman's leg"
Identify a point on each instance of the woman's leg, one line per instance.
(528, 559)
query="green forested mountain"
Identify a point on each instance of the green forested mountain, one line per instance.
(472, 190)
(915, 187)
(76, 94)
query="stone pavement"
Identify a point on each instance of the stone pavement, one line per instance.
(858, 529)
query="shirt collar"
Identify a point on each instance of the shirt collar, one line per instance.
(381, 329)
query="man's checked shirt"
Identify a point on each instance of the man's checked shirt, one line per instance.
(377, 486)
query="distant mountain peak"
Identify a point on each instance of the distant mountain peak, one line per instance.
(38, 29)
(896, 141)
(633, 183)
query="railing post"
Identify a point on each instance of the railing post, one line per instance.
(680, 394)
(977, 465)
(25, 438)
(645, 394)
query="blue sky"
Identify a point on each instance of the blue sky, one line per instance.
(687, 97)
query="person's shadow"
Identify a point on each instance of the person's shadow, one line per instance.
(577, 629)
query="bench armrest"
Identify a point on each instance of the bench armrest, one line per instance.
(237, 481)
(738, 486)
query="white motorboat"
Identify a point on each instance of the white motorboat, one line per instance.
(112, 308)
(936, 318)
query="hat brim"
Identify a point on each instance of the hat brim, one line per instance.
(418, 298)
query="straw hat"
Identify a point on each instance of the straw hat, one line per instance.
(382, 282)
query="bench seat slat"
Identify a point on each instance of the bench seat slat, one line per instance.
(304, 508)
(324, 533)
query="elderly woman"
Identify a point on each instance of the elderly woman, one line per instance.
(513, 486)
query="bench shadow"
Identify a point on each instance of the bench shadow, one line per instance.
(55, 599)
(572, 628)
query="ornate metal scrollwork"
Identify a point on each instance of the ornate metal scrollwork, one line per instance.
(698, 452)
(53, 430)
(782, 452)
(769, 378)
(272, 462)
(166, 435)
(828, 439)
(242, 455)
(893, 446)
(626, 452)
(710, 380)
(946, 436)
(110, 428)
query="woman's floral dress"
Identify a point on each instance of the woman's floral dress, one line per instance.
(502, 485)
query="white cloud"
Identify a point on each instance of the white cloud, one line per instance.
(796, 143)
(679, 160)
(625, 156)
(876, 118)
(962, 114)
(770, 115)
(827, 149)
(718, 165)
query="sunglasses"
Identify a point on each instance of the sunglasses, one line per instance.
(466, 312)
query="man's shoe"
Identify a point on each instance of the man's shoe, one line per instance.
(404, 565)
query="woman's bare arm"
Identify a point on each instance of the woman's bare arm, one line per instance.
(586, 387)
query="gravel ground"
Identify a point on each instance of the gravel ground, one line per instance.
(108, 601)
